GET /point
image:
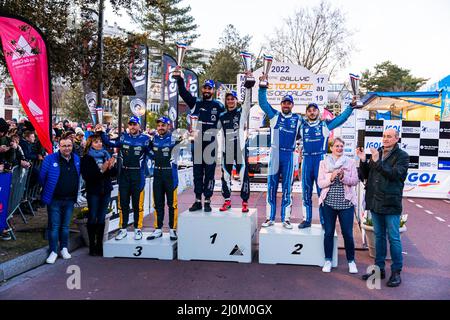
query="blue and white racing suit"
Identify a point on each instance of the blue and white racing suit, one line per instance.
(284, 132)
(315, 144)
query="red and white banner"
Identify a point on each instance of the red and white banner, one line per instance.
(25, 53)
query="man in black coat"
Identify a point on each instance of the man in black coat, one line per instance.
(385, 174)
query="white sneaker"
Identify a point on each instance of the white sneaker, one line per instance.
(52, 258)
(268, 223)
(155, 234)
(327, 266)
(65, 253)
(137, 234)
(287, 224)
(352, 267)
(122, 234)
(173, 234)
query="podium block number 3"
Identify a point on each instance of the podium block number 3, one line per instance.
(213, 238)
(138, 251)
(298, 247)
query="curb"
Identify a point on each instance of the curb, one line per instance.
(33, 259)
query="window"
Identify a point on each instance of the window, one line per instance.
(9, 96)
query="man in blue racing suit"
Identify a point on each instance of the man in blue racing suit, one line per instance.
(315, 132)
(134, 148)
(284, 133)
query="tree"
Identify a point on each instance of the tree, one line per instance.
(390, 77)
(166, 22)
(225, 64)
(315, 38)
(73, 105)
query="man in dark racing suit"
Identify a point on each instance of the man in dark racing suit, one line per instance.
(233, 122)
(165, 178)
(134, 148)
(207, 110)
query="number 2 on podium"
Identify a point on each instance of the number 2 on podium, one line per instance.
(299, 247)
(213, 238)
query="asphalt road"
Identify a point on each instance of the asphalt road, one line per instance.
(426, 273)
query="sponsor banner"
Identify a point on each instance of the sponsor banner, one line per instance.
(393, 124)
(25, 53)
(427, 184)
(287, 78)
(5, 188)
(411, 146)
(444, 130)
(191, 81)
(428, 163)
(410, 129)
(444, 148)
(372, 142)
(361, 117)
(257, 186)
(169, 65)
(445, 107)
(374, 128)
(414, 162)
(256, 117)
(444, 163)
(429, 147)
(429, 130)
(138, 76)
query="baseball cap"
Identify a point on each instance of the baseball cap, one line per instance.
(232, 93)
(135, 120)
(288, 97)
(89, 125)
(163, 120)
(209, 83)
(312, 105)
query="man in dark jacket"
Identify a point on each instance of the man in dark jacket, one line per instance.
(385, 173)
(208, 110)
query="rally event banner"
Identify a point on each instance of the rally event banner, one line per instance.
(25, 53)
(138, 77)
(190, 80)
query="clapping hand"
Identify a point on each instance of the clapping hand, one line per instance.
(375, 154)
(361, 154)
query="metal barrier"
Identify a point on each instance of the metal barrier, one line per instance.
(32, 191)
(18, 186)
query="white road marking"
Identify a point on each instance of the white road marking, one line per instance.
(412, 201)
(440, 219)
(429, 212)
(446, 201)
(419, 206)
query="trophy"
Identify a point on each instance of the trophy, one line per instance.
(247, 63)
(181, 51)
(354, 82)
(266, 69)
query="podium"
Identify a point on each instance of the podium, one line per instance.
(217, 236)
(161, 248)
(278, 245)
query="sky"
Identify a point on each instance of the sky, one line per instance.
(413, 34)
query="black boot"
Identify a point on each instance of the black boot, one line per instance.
(196, 206)
(394, 280)
(99, 238)
(207, 205)
(91, 228)
(368, 275)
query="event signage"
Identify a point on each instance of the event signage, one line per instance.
(286, 78)
(25, 53)
(138, 77)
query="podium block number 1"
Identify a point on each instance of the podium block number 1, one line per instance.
(299, 247)
(213, 238)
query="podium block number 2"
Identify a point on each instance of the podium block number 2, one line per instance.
(298, 247)
(213, 238)
(138, 251)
